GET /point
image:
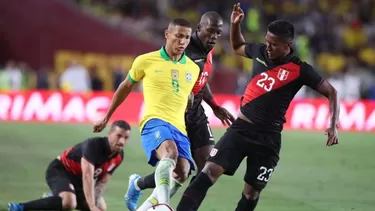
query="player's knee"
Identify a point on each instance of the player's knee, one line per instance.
(213, 171)
(182, 170)
(168, 149)
(200, 156)
(69, 201)
(183, 176)
(250, 193)
(180, 178)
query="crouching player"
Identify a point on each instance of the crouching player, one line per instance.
(78, 176)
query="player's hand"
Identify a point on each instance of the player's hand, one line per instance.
(99, 126)
(333, 137)
(224, 115)
(237, 14)
(95, 209)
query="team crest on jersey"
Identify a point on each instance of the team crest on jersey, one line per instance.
(174, 74)
(283, 74)
(189, 77)
(213, 152)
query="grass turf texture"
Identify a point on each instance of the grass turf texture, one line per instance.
(309, 177)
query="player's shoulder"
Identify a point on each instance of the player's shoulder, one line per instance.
(257, 46)
(303, 65)
(191, 63)
(255, 49)
(147, 56)
(97, 140)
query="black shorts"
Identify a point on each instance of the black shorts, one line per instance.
(261, 161)
(200, 134)
(59, 180)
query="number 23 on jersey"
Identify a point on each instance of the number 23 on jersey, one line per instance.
(266, 82)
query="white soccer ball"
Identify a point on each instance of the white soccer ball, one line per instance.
(161, 207)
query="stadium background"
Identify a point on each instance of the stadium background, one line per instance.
(62, 59)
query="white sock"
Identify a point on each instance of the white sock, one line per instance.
(150, 201)
(175, 185)
(136, 185)
(163, 176)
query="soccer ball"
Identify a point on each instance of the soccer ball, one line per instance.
(161, 207)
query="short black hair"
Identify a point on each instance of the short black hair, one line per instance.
(212, 16)
(282, 29)
(180, 22)
(121, 124)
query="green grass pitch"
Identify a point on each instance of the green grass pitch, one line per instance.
(309, 177)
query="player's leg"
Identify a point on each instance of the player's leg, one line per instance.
(260, 166)
(157, 140)
(167, 154)
(202, 142)
(63, 197)
(249, 199)
(225, 157)
(145, 182)
(185, 163)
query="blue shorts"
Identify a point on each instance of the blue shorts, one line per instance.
(155, 132)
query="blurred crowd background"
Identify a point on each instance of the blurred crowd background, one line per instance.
(336, 36)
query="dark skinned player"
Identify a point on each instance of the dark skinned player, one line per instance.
(256, 134)
(200, 51)
(77, 178)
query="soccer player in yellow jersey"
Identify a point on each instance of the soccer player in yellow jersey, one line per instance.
(168, 79)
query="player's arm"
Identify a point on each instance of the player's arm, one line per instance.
(88, 182)
(315, 81)
(220, 112)
(237, 41)
(326, 89)
(100, 186)
(103, 181)
(209, 98)
(90, 151)
(136, 73)
(330, 93)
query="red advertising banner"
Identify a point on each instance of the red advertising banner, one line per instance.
(48, 106)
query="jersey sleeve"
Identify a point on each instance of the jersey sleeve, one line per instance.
(252, 49)
(91, 149)
(310, 77)
(136, 73)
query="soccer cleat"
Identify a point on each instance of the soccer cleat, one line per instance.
(132, 194)
(15, 207)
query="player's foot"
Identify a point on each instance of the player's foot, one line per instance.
(46, 195)
(132, 194)
(15, 207)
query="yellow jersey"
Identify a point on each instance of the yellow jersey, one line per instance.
(167, 85)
